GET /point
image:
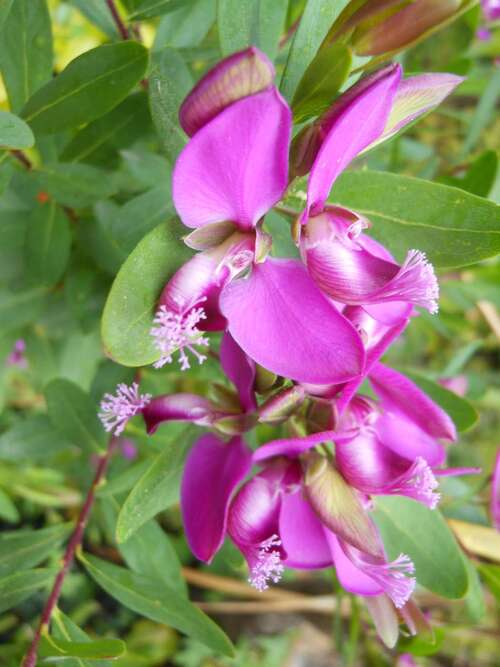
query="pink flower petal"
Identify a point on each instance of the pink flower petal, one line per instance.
(235, 168)
(237, 76)
(240, 369)
(352, 127)
(291, 446)
(177, 407)
(282, 321)
(212, 472)
(350, 577)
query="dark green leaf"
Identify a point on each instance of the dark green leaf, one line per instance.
(99, 649)
(4, 11)
(236, 20)
(129, 311)
(321, 81)
(409, 527)
(8, 511)
(20, 308)
(18, 587)
(124, 481)
(150, 597)
(98, 13)
(316, 20)
(452, 227)
(90, 86)
(460, 410)
(99, 141)
(169, 83)
(157, 489)
(76, 185)
(146, 9)
(26, 53)
(484, 112)
(48, 243)
(491, 576)
(481, 176)
(148, 169)
(33, 439)
(422, 645)
(14, 133)
(20, 550)
(74, 415)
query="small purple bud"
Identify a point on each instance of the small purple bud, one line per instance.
(282, 405)
(17, 357)
(128, 449)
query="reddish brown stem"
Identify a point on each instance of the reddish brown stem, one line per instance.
(69, 555)
(122, 29)
(23, 159)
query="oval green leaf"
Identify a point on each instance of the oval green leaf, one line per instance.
(99, 649)
(14, 132)
(409, 527)
(150, 597)
(90, 86)
(129, 311)
(48, 244)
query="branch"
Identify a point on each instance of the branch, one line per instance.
(122, 29)
(74, 542)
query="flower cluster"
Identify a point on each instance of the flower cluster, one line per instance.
(300, 336)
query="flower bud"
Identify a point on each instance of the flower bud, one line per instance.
(280, 406)
(393, 30)
(241, 74)
(322, 415)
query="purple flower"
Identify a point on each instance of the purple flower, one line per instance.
(491, 9)
(232, 171)
(17, 356)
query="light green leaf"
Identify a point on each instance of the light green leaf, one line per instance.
(23, 549)
(186, 26)
(271, 22)
(123, 481)
(97, 12)
(99, 649)
(4, 11)
(491, 576)
(8, 511)
(20, 308)
(321, 81)
(17, 587)
(315, 23)
(76, 185)
(235, 21)
(90, 86)
(129, 311)
(157, 489)
(459, 409)
(453, 227)
(63, 628)
(169, 83)
(26, 53)
(48, 244)
(32, 439)
(74, 415)
(146, 9)
(150, 597)
(409, 527)
(14, 132)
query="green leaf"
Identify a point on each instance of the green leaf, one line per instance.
(491, 576)
(422, 644)
(17, 587)
(150, 597)
(483, 114)
(8, 511)
(140, 215)
(26, 53)
(409, 527)
(74, 415)
(460, 410)
(97, 12)
(4, 11)
(48, 244)
(321, 82)
(100, 140)
(316, 20)
(124, 481)
(482, 174)
(271, 21)
(453, 227)
(23, 549)
(169, 83)
(76, 185)
(186, 26)
(99, 649)
(14, 132)
(474, 600)
(63, 628)
(235, 20)
(129, 311)
(146, 9)
(90, 86)
(32, 439)
(20, 308)
(157, 489)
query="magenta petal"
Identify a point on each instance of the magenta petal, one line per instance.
(177, 407)
(240, 370)
(302, 534)
(357, 125)
(291, 446)
(399, 394)
(283, 322)
(239, 75)
(408, 440)
(350, 577)
(212, 472)
(235, 168)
